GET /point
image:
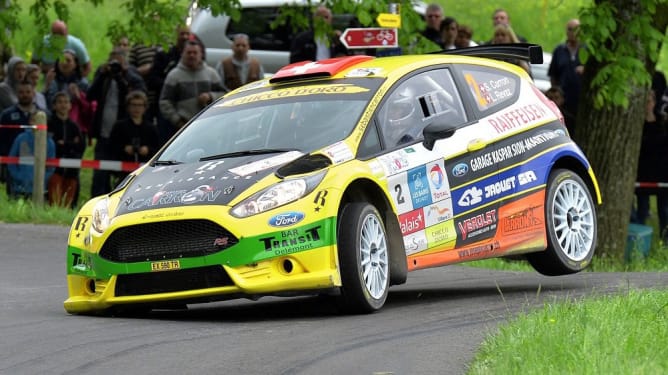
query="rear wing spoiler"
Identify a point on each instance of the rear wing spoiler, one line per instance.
(533, 53)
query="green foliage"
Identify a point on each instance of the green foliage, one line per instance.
(622, 43)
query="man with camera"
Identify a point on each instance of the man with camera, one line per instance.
(111, 84)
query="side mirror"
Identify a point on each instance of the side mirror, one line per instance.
(436, 131)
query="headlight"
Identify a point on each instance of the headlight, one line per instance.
(277, 195)
(101, 215)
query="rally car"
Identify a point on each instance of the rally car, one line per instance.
(338, 178)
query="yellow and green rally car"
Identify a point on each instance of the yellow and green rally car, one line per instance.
(339, 177)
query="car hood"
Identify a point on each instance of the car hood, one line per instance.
(202, 183)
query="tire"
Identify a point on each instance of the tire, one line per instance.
(570, 216)
(363, 259)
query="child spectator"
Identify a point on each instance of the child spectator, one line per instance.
(63, 186)
(134, 138)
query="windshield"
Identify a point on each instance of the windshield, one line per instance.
(271, 121)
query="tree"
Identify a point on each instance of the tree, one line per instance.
(623, 39)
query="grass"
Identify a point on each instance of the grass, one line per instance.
(623, 334)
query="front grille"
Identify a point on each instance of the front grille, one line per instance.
(171, 281)
(166, 240)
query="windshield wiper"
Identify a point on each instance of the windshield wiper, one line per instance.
(166, 162)
(246, 153)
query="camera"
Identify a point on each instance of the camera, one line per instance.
(115, 67)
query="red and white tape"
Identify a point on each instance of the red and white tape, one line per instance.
(107, 165)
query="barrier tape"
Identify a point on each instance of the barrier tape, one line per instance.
(106, 165)
(38, 127)
(652, 184)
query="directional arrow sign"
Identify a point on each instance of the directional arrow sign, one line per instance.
(369, 38)
(389, 20)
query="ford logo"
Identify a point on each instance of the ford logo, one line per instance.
(286, 218)
(460, 169)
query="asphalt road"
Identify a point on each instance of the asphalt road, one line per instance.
(431, 325)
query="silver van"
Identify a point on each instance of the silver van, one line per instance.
(270, 46)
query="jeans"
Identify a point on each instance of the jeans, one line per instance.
(642, 211)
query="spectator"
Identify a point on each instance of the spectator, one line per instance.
(66, 77)
(16, 72)
(33, 74)
(464, 37)
(190, 87)
(141, 57)
(501, 17)
(239, 68)
(134, 138)
(448, 32)
(163, 63)
(433, 18)
(55, 43)
(17, 114)
(306, 47)
(21, 176)
(504, 34)
(63, 186)
(651, 168)
(566, 69)
(557, 96)
(112, 82)
(123, 43)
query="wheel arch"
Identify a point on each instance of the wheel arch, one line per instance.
(365, 190)
(572, 163)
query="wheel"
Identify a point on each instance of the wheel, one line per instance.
(363, 259)
(570, 216)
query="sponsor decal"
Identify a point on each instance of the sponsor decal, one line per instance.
(320, 200)
(80, 226)
(478, 224)
(267, 163)
(418, 185)
(203, 193)
(411, 222)
(517, 117)
(162, 215)
(522, 221)
(339, 152)
(438, 181)
(81, 262)
(526, 177)
(460, 170)
(438, 212)
(292, 241)
(394, 162)
(500, 187)
(295, 92)
(364, 72)
(442, 233)
(415, 242)
(471, 197)
(478, 251)
(286, 219)
(221, 241)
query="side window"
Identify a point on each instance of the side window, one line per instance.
(416, 102)
(255, 22)
(491, 89)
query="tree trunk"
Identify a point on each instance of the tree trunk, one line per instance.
(610, 137)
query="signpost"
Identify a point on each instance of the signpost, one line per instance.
(370, 37)
(389, 20)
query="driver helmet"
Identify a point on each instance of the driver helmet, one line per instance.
(401, 108)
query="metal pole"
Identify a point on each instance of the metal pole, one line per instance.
(40, 159)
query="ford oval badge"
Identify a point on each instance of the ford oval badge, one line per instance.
(286, 218)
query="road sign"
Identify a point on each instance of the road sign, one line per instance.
(389, 20)
(371, 37)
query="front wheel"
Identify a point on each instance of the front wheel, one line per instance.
(570, 216)
(363, 259)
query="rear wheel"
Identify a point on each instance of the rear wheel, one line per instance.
(570, 216)
(363, 259)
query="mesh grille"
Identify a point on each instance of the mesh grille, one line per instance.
(171, 281)
(166, 240)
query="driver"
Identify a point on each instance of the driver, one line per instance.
(400, 119)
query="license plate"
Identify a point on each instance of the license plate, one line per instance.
(165, 265)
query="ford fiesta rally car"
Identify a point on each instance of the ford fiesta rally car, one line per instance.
(338, 178)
